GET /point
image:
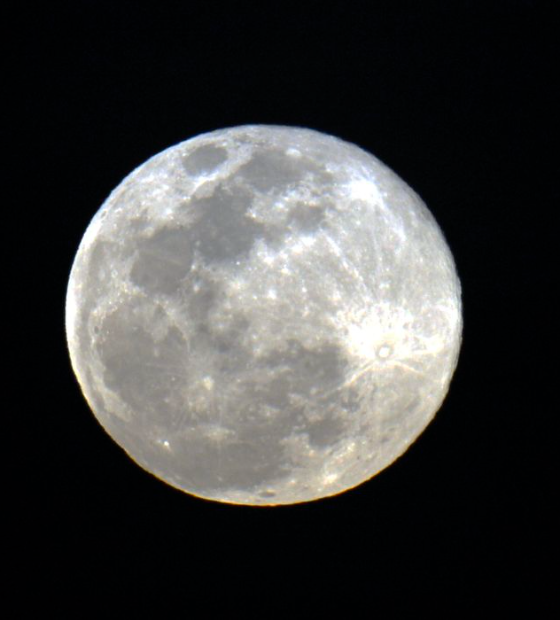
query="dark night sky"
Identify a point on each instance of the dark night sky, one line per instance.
(460, 99)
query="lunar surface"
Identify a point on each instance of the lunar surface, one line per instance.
(264, 315)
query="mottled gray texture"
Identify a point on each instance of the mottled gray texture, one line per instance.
(264, 315)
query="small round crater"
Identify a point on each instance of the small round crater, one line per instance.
(384, 351)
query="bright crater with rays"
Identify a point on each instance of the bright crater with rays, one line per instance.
(264, 315)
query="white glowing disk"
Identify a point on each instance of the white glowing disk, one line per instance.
(264, 315)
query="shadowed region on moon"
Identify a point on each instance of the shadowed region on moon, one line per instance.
(246, 448)
(204, 159)
(271, 170)
(264, 315)
(164, 260)
(224, 231)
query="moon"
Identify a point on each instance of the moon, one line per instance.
(264, 315)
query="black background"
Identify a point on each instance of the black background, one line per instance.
(460, 99)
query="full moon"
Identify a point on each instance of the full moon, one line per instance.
(264, 315)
